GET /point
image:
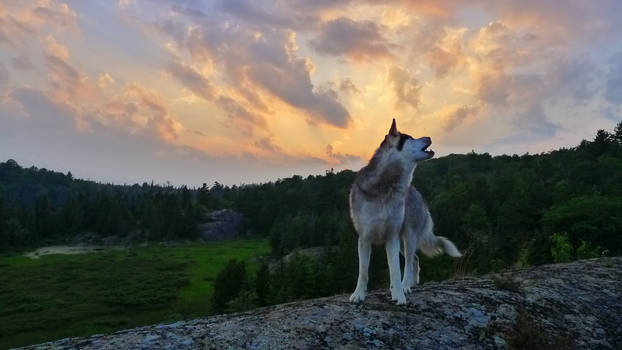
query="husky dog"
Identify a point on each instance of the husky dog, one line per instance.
(387, 210)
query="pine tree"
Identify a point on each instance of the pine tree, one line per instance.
(228, 284)
(617, 133)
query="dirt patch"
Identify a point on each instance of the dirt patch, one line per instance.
(66, 249)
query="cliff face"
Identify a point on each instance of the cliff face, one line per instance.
(221, 224)
(574, 305)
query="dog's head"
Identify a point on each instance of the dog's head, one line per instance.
(405, 146)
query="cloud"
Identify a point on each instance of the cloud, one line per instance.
(265, 60)
(105, 80)
(202, 87)
(520, 97)
(358, 40)
(292, 84)
(22, 63)
(447, 51)
(406, 88)
(62, 72)
(67, 81)
(272, 64)
(347, 86)
(577, 78)
(270, 14)
(536, 122)
(337, 158)
(492, 88)
(41, 112)
(43, 132)
(521, 71)
(21, 22)
(458, 116)
(192, 79)
(513, 89)
(134, 109)
(268, 145)
(13, 29)
(4, 78)
(501, 47)
(123, 4)
(235, 111)
(58, 13)
(442, 61)
(577, 21)
(613, 87)
(138, 110)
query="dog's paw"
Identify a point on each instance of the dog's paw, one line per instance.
(398, 296)
(401, 299)
(408, 286)
(357, 296)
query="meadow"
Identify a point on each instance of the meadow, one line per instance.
(59, 296)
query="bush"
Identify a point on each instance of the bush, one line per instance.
(245, 300)
(228, 284)
(587, 251)
(561, 249)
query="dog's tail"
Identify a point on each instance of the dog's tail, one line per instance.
(432, 245)
(438, 245)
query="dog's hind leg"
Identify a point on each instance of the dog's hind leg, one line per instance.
(393, 258)
(364, 248)
(417, 268)
(411, 263)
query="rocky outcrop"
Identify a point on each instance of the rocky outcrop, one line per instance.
(221, 224)
(574, 305)
(95, 239)
(313, 252)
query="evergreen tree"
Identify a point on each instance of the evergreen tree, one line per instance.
(617, 133)
(228, 284)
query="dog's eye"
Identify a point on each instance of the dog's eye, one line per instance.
(403, 139)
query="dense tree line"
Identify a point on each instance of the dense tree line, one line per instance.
(39, 207)
(501, 211)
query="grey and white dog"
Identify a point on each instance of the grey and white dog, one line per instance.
(387, 210)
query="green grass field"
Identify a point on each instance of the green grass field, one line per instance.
(60, 296)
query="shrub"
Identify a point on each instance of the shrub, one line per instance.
(587, 251)
(561, 249)
(228, 284)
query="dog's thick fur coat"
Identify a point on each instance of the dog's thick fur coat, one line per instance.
(387, 210)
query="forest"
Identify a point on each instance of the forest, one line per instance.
(501, 211)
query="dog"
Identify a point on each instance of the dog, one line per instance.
(386, 209)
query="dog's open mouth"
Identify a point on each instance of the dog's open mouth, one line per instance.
(428, 151)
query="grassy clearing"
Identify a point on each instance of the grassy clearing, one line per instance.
(59, 296)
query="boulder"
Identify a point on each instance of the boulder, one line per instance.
(221, 224)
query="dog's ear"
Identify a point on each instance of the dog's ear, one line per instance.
(393, 131)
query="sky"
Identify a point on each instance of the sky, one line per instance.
(243, 91)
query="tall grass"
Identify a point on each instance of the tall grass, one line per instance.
(60, 296)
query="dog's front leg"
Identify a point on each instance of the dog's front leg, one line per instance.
(393, 258)
(411, 264)
(361, 285)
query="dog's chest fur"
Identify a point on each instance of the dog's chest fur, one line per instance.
(377, 202)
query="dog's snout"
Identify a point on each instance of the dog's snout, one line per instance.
(427, 140)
